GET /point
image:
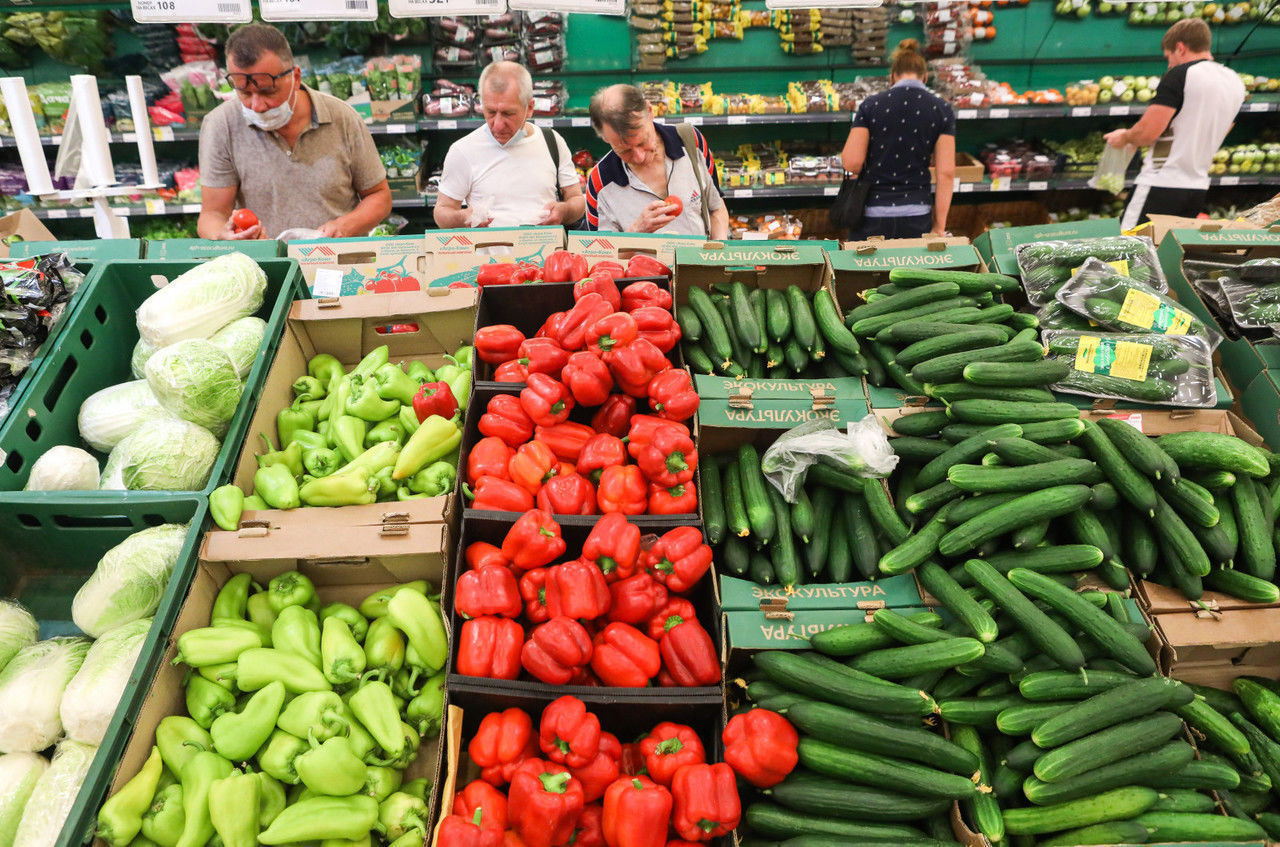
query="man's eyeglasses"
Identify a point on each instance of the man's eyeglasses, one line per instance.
(262, 83)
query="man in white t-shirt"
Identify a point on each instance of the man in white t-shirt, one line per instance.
(504, 171)
(1194, 107)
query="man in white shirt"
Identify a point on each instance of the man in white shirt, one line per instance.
(1193, 109)
(504, 171)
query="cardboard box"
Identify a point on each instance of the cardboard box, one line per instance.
(1158, 226)
(348, 328)
(1214, 647)
(185, 249)
(996, 245)
(787, 629)
(1242, 359)
(1261, 405)
(24, 224)
(621, 246)
(90, 250)
(354, 562)
(863, 265)
(453, 255)
(1158, 599)
(340, 267)
(893, 592)
(968, 169)
(778, 403)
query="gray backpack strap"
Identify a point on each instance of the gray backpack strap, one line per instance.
(688, 135)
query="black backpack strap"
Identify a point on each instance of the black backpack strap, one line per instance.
(549, 136)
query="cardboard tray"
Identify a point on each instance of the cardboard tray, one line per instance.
(621, 246)
(704, 597)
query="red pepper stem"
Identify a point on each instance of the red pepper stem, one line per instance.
(548, 533)
(607, 564)
(478, 816)
(557, 408)
(669, 747)
(706, 825)
(676, 463)
(558, 783)
(638, 786)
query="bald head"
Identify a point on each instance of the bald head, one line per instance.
(622, 108)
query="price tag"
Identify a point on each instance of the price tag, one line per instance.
(154, 207)
(318, 10)
(430, 8)
(1037, 186)
(966, 114)
(1081, 111)
(1133, 419)
(999, 113)
(129, 137)
(737, 120)
(327, 283)
(595, 7)
(744, 192)
(579, 122)
(1229, 180)
(693, 120)
(831, 191)
(1000, 183)
(964, 187)
(55, 139)
(447, 123)
(162, 133)
(1118, 110)
(191, 11)
(58, 214)
(122, 211)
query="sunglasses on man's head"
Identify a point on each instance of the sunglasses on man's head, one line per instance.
(262, 83)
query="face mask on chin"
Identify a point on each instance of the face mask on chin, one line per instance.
(512, 141)
(272, 119)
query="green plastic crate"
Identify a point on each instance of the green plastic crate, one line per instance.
(48, 551)
(89, 250)
(186, 249)
(93, 351)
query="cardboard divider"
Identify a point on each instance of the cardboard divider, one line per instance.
(336, 267)
(24, 224)
(453, 255)
(1261, 404)
(863, 265)
(1158, 226)
(621, 246)
(349, 328)
(1213, 647)
(358, 561)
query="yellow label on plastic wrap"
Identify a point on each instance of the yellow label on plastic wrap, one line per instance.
(1147, 311)
(1121, 267)
(1124, 359)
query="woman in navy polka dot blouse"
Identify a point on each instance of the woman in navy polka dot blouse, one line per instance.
(895, 135)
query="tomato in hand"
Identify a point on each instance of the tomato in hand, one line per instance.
(243, 219)
(673, 200)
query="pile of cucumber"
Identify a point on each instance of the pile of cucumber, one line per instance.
(736, 331)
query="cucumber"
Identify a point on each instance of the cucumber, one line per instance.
(775, 356)
(690, 326)
(1140, 550)
(1173, 531)
(995, 480)
(994, 412)
(777, 315)
(803, 522)
(1046, 634)
(775, 821)
(968, 450)
(910, 299)
(735, 508)
(901, 662)
(1022, 758)
(915, 449)
(815, 552)
(1087, 528)
(1215, 451)
(762, 688)
(1185, 800)
(1027, 509)
(797, 673)
(756, 297)
(1214, 726)
(1192, 501)
(955, 309)
(715, 332)
(1016, 374)
(1115, 805)
(760, 513)
(976, 504)
(982, 806)
(1261, 703)
(1144, 453)
(950, 368)
(949, 392)
(1257, 553)
(830, 327)
(922, 329)
(1106, 746)
(977, 711)
(1199, 774)
(794, 355)
(1135, 488)
(861, 768)
(881, 510)
(1131, 770)
(712, 496)
(1243, 586)
(859, 535)
(958, 602)
(736, 556)
(848, 729)
(1042, 686)
(744, 318)
(782, 551)
(1053, 432)
(839, 553)
(1104, 497)
(1115, 832)
(917, 548)
(970, 338)
(804, 328)
(698, 360)
(1131, 700)
(761, 569)
(821, 796)
(969, 282)
(921, 424)
(852, 639)
(1020, 451)
(1190, 826)
(1023, 718)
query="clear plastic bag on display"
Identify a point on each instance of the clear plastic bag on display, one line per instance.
(1173, 370)
(1252, 292)
(1046, 265)
(1122, 304)
(1113, 164)
(1057, 316)
(862, 449)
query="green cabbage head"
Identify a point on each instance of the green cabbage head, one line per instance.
(197, 382)
(129, 581)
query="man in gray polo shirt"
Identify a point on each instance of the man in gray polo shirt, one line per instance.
(295, 157)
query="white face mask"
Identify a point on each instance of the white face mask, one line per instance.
(512, 141)
(272, 119)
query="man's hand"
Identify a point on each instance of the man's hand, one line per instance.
(1117, 138)
(552, 214)
(655, 216)
(228, 233)
(337, 228)
(939, 232)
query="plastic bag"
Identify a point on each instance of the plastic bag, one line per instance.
(1122, 304)
(1112, 166)
(299, 234)
(1046, 265)
(1174, 370)
(862, 449)
(1252, 306)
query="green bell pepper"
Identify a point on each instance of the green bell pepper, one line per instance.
(420, 788)
(431, 442)
(204, 768)
(381, 782)
(321, 461)
(290, 456)
(335, 403)
(318, 714)
(346, 433)
(323, 428)
(260, 612)
(254, 503)
(308, 388)
(401, 813)
(223, 674)
(414, 615)
(325, 368)
(311, 407)
(291, 588)
(277, 485)
(460, 385)
(388, 430)
(386, 486)
(462, 357)
(408, 750)
(321, 818)
(213, 645)
(279, 756)
(264, 635)
(260, 667)
(419, 372)
(309, 441)
(362, 743)
(233, 598)
(229, 800)
(375, 605)
(408, 420)
(120, 818)
(163, 822)
(339, 489)
(238, 735)
(404, 493)
(297, 631)
(395, 384)
(349, 615)
(426, 709)
(379, 456)
(374, 706)
(448, 372)
(271, 799)
(384, 646)
(206, 701)
(342, 657)
(292, 419)
(376, 358)
(434, 480)
(226, 503)
(365, 402)
(331, 768)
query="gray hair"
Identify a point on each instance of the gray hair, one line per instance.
(620, 107)
(247, 44)
(498, 76)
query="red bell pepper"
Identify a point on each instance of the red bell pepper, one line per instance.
(567, 733)
(488, 591)
(674, 842)
(565, 440)
(637, 813)
(590, 829)
(614, 546)
(546, 400)
(556, 650)
(632, 761)
(551, 326)
(499, 495)
(641, 429)
(482, 554)
(600, 282)
(624, 657)
(614, 415)
(638, 295)
(588, 379)
(602, 770)
(533, 591)
(672, 395)
(611, 332)
(567, 494)
(679, 559)
(601, 451)
(532, 465)
(533, 541)
(498, 343)
(636, 599)
(668, 458)
(658, 326)
(634, 365)
(563, 468)
(760, 746)
(563, 266)
(706, 801)
(679, 500)
(489, 646)
(644, 265)
(527, 272)
(669, 747)
(543, 356)
(460, 831)
(675, 611)
(496, 273)
(572, 331)
(511, 371)
(614, 269)
(544, 803)
(511, 838)
(623, 489)
(689, 655)
(502, 741)
(576, 589)
(506, 419)
(489, 457)
(434, 398)
(481, 795)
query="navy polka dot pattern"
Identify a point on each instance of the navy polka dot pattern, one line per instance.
(904, 124)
